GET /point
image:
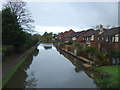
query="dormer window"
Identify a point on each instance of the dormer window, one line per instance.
(116, 38)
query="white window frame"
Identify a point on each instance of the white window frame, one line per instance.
(117, 38)
(107, 39)
(92, 37)
(113, 39)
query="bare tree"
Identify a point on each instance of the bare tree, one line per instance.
(23, 15)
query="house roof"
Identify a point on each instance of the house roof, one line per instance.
(67, 33)
(88, 31)
(111, 32)
(91, 33)
(76, 34)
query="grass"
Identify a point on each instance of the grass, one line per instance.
(14, 69)
(110, 81)
(11, 72)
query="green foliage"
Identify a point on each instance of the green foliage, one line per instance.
(61, 45)
(101, 58)
(116, 53)
(47, 37)
(90, 50)
(7, 50)
(111, 81)
(12, 32)
(69, 48)
(79, 47)
(36, 37)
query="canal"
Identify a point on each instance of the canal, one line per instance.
(48, 67)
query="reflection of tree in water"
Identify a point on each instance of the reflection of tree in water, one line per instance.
(20, 76)
(31, 80)
(74, 61)
(78, 67)
(47, 47)
(35, 53)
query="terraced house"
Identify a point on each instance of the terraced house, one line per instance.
(91, 38)
(109, 39)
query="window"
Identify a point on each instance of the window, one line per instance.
(87, 38)
(101, 38)
(98, 38)
(116, 38)
(113, 39)
(84, 38)
(92, 38)
(107, 39)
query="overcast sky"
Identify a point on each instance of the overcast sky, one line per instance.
(61, 16)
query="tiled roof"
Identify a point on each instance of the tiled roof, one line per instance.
(76, 34)
(111, 32)
(91, 33)
(88, 31)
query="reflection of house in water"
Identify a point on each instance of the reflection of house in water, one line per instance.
(74, 61)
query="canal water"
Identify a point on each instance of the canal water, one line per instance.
(48, 67)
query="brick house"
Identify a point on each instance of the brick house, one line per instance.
(91, 38)
(66, 35)
(73, 37)
(59, 36)
(80, 38)
(109, 38)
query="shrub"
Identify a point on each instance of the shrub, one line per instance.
(101, 58)
(69, 48)
(116, 53)
(79, 47)
(7, 50)
(61, 45)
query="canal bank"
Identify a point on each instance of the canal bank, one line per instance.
(88, 63)
(51, 68)
(10, 69)
(107, 76)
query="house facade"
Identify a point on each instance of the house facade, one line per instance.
(80, 38)
(110, 38)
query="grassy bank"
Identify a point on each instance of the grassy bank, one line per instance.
(16, 66)
(109, 78)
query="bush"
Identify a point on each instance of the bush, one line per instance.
(101, 58)
(69, 48)
(90, 50)
(116, 53)
(61, 45)
(79, 47)
(7, 50)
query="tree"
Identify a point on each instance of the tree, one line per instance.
(36, 37)
(18, 7)
(47, 37)
(12, 32)
(91, 51)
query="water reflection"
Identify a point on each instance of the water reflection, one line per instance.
(35, 53)
(51, 70)
(77, 63)
(31, 80)
(47, 47)
(21, 75)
